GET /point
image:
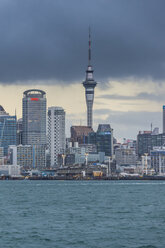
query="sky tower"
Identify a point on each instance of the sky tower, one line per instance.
(89, 85)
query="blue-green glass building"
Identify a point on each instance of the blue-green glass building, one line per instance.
(103, 139)
(7, 130)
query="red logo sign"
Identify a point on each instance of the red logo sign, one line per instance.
(34, 99)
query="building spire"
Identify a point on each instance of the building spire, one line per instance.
(89, 49)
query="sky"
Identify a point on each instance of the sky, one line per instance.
(44, 45)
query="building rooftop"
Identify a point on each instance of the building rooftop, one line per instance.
(1, 108)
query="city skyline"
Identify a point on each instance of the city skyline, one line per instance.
(47, 49)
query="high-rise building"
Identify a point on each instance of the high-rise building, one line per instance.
(103, 139)
(56, 133)
(34, 117)
(34, 124)
(89, 85)
(163, 118)
(7, 130)
(147, 140)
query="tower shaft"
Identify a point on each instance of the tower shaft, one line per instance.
(89, 85)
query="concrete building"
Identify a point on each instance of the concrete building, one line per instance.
(7, 130)
(34, 124)
(34, 117)
(80, 134)
(56, 133)
(10, 170)
(125, 156)
(89, 85)
(158, 159)
(28, 156)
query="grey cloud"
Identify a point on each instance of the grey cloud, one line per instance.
(131, 122)
(140, 96)
(47, 40)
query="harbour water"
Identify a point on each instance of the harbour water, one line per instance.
(82, 214)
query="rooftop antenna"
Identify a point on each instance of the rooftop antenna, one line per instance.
(89, 49)
(151, 127)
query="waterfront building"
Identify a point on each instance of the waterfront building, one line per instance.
(84, 158)
(163, 118)
(10, 170)
(158, 159)
(7, 130)
(103, 139)
(28, 156)
(89, 85)
(125, 156)
(34, 117)
(147, 140)
(80, 134)
(56, 133)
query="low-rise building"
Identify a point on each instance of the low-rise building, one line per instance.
(28, 156)
(125, 156)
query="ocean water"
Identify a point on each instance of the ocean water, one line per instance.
(82, 214)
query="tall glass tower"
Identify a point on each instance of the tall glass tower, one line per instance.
(89, 85)
(7, 130)
(34, 117)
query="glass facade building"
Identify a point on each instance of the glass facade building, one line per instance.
(103, 139)
(7, 132)
(146, 141)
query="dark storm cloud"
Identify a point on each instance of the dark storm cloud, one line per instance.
(47, 40)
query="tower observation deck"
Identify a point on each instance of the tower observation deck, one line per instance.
(89, 85)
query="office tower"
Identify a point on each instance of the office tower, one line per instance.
(146, 140)
(34, 117)
(163, 118)
(80, 134)
(103, 139)
(7, 130)
(56, 133)
(89, 85)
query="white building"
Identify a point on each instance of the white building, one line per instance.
(9, 170)
(125, 156)
(158, 159)
(56, 133)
